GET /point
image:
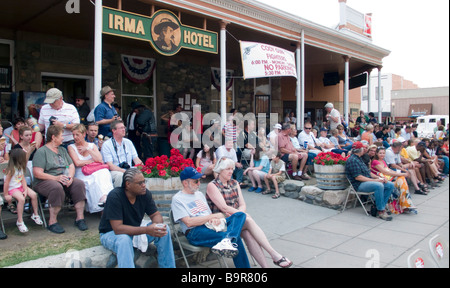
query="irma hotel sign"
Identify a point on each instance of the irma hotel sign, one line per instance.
(163, 30)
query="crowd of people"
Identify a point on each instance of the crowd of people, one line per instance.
(92, 162)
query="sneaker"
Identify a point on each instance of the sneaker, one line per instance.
(384, 216)
(225, 248)
(3, 236)
(251, 189)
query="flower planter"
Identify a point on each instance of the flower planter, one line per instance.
(331, 177)
(163, 191)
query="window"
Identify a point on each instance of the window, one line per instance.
(138, 87)
(376, 93)
(365, 94)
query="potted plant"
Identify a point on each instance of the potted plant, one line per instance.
(162, 177)
(329, 168)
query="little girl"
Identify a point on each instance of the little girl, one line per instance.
(15, 186)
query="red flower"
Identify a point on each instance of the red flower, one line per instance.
(162, 173)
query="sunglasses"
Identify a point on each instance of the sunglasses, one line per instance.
(195, 181)
(306, 128)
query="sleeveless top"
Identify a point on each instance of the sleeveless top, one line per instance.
(229, 192)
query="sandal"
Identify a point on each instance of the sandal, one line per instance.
(283, 259)
(267, 192)
(421, 192)
(12, 208)
(276, 196)
(37, 219)
(22, 227)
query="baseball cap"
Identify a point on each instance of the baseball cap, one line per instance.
(358, 145)
(277, 126)
(190, 173)
(52, 95)
(323, 129)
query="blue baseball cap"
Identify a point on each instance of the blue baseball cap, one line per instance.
(190, 173)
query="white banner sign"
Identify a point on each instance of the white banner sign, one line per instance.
(262, 60)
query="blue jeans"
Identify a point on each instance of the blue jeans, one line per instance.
(446, 164)
(122, 246)
(203, 236)
(382, 192)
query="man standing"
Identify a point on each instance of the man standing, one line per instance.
(58, 113)
(122, 218)
(83, 108)
(333, 116)
(191, 210)
(146, 129)
(119, 153)
(105, 113)
(364, 181)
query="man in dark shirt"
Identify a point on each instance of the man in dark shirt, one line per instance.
(364, 181)
(121, 220)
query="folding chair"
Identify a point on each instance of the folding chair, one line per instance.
(420, 259)
(352, 191)
(183, 243)
(439, 250)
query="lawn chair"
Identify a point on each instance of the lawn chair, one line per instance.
(184, 244)
(358, 196)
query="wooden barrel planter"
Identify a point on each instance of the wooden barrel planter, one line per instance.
(163, 191)
(331, 177)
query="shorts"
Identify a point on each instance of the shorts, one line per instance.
(20, 189)
(285, 158)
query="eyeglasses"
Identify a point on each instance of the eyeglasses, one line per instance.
(140, 182)
(195, 181)
(308, 128)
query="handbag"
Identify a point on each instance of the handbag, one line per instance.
(90, 168)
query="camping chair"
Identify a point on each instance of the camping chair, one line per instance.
(184, 244)
(420, 259)
(439, 250)
(359, 196)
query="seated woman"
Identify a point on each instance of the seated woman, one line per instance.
(49, 168)
(224, 195)
(99, 183)
(259, 167)
(337, 148)
(368, 134)
(206, 159)
(379, 166)
(345, 141)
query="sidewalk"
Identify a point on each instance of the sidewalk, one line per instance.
(317, 237)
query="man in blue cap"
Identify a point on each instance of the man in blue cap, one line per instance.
(201, 227)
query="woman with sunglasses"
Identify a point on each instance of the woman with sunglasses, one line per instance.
(380, 168)
(224, 195)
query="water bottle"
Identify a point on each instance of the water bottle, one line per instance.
(34, 124)
(66, 173)
(305, 144)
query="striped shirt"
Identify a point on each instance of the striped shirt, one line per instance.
(230, 194)
(68, 114)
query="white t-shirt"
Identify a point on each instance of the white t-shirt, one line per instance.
(189, 205)
(392, 158)
(68, 114)
(325, 140)
(223, 152)
(333, 124)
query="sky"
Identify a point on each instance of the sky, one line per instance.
(415, 31)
